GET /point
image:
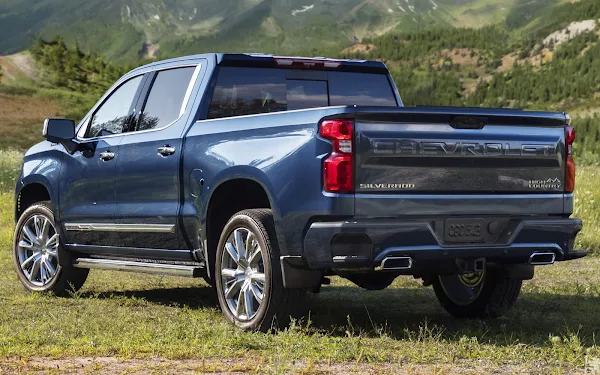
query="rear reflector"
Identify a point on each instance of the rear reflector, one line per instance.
(570, 163)
(338, 168)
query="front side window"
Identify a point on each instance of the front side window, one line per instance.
(166, 98)
(114, 113)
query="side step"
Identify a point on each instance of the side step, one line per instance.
(140, 267)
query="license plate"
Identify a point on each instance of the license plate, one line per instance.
(464, 230)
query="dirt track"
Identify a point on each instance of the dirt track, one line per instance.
(112, 365)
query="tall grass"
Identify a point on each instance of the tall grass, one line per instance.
(587, 207)
(10, 166)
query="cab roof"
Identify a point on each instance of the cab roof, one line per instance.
(275, 61)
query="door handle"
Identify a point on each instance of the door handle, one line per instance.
(166, 150)
(107, 155)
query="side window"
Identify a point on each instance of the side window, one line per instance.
(165, 101)
(247, 91)
(113, 114)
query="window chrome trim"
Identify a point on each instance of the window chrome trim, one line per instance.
(186, 100)
(275, 113)
(137, 228)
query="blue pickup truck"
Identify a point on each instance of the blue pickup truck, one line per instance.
(266, 174)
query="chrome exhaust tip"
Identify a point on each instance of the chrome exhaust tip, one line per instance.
(395, 263)
(541, 259)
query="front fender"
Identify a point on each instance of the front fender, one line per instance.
(42, 166)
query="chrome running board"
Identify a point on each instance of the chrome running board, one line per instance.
(139, 267)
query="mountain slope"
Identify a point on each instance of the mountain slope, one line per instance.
(531, 57)
(120, 29)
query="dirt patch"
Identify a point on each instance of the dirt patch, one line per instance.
(271, 27)
(19, 110)
(360, 48)
(462, 56)
(545, 56)
(21, 119)
(149, 50)
(508, 61)
(18, 66)
(112, 365)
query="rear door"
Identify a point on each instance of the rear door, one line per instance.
(148, 181)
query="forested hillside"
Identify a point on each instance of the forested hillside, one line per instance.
(124, 30)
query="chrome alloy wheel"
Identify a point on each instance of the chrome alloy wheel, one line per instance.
(243, 274)
(37, 250)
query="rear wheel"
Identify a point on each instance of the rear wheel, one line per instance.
(477, 295)
(248, 275)
(42, 264)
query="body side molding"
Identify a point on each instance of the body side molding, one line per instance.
(139, 228)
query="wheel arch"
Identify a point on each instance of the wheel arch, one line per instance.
(32, 190)
(234, 193)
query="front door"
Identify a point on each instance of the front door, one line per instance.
(87, 183)
(148, 183)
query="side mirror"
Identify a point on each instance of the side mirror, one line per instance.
(60, 130)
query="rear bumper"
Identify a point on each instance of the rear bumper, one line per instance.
(352, 244)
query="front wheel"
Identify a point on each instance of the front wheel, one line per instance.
(248, 274)
(41, 262)
(486, 294)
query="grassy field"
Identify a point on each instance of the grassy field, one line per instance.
(126, 323)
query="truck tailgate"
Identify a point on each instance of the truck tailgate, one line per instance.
(436, 150)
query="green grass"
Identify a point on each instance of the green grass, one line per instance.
(10, 167)
(587, 207)
(551, 329)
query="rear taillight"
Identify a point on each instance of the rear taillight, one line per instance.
(570, 165)
(338, 168)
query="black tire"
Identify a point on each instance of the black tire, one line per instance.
(67, 279)
(495, 297)
(278, 304)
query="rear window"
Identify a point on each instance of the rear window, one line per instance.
(248, 91)
(364, 89)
